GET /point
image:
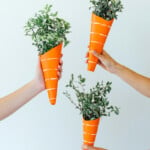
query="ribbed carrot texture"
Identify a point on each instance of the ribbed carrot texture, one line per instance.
(99, 32)
(50, 62)
(90, 128)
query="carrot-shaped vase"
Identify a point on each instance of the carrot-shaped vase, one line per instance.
(92, 104)
(90, 128)
(50, 62)
(98, 35)
(48, 33)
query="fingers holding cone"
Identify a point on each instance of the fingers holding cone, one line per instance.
(53, 91)
(101, 58)
(86, 56)
(95, 54)
(59, 73)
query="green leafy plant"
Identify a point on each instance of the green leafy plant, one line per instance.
(106, 9)
(47, 29)
(93, 103)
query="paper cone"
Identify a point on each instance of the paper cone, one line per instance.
(50, 62)
(90, 128)
(99, 32)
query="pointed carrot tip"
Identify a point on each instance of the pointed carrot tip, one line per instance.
(53, 102)
(91, 68)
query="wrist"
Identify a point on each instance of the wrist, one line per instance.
(38, 86)
(118, 69)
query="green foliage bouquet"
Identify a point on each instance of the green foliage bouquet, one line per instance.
(106, 9)
(47, 29)
(94, 103)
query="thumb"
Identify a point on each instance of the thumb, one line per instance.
(99, 56)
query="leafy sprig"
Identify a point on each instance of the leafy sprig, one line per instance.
(93, 103)
(106, 9)
(47, 29)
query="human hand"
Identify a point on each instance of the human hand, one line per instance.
(105, 61)
(86, 147)
(39, 78)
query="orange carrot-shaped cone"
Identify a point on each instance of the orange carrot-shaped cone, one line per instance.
(50, 61)
(99, 32)
(90, 128)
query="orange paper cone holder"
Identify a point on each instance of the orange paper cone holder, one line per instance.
(98, 35)
(50, 62)
(90, 128)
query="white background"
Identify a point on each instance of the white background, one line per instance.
(40, 126)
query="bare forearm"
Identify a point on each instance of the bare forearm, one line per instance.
(15, 100)
(137, 81)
